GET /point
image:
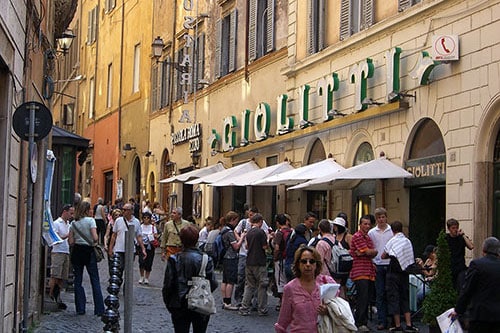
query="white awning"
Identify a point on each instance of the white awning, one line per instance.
(197, 173)
(302, 174)
(253, 176)
(236, 170)
(380, 168)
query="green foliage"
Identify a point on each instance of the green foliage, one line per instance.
(443, 295)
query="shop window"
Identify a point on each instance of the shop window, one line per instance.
(197, 202)
(261, 28)
(225, 47)
(315, 26)
(355, 16)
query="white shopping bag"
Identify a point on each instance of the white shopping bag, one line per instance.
(447, 325)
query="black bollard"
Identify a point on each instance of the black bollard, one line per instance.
(111, 316)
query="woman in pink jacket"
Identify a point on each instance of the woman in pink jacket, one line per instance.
(301, 302)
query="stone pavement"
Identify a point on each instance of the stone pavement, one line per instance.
(149, 312)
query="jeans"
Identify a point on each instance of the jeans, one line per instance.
(80, 298)
(256, 280)
(380, 294)
(183, 318)
(240, 287)
(363, 289)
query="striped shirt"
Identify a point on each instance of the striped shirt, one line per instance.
(362, 266)
(400, 247)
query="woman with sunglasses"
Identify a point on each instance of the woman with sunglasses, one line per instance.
(301, 302)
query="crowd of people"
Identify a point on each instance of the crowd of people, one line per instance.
(245, 247)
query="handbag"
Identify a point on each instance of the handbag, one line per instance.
(200, 298)
(155, 243)
(98, 251)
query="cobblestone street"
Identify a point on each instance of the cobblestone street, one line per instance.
(149, 312)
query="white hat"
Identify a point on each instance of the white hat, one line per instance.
(339, 221)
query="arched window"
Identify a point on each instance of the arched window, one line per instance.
(363, 154)
(428, 141)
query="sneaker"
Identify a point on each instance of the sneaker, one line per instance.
(396, 329)
(263, 313)
(229, 307)
(62, 306)
(141, 280)
(411, 329)
(363, 328)
(145, 281)
(243, 312)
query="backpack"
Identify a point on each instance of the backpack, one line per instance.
(216, 249)
(286, 235)
(341, 262)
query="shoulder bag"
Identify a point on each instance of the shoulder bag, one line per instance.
(200, 298)
(99, 253)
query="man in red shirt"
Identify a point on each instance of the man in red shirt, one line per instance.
(363, 270)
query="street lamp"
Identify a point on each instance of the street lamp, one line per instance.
(157, 47)
(64, 42)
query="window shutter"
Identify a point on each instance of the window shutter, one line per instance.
(89, 28)
(311, 42)
(190, 86)
(321, 25)
(252, 30)
(232, 39)
(166, 82)
(345, 19)
(368, 13)
(175, 80)
(270, 26)
(154, 88)
(404, 4)
(94, 27)
(218, 48)
(200, 70)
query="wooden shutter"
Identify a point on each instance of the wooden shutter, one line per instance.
(345, 19)
(89, 28)
(218, 48)
(321, 25)
(270, 26)
(200, 53)
(311, 23)
(154, 88)
(404, 4)
(252, 30)
(94, 23)
(233, 34)
(368, 14)
(166, 82)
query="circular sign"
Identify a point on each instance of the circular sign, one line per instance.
(21, 120)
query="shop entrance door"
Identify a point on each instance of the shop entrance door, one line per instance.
(427, 215)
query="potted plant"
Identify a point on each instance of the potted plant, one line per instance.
(443, 295)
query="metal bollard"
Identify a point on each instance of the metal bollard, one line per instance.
(111, 316)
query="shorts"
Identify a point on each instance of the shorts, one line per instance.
(59, 267)
(230, 271)
(397, 292)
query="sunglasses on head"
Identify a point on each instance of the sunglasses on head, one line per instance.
(307, 261)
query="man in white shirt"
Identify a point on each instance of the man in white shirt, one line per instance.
(380, 235)
(59, 267)
(117, 244)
